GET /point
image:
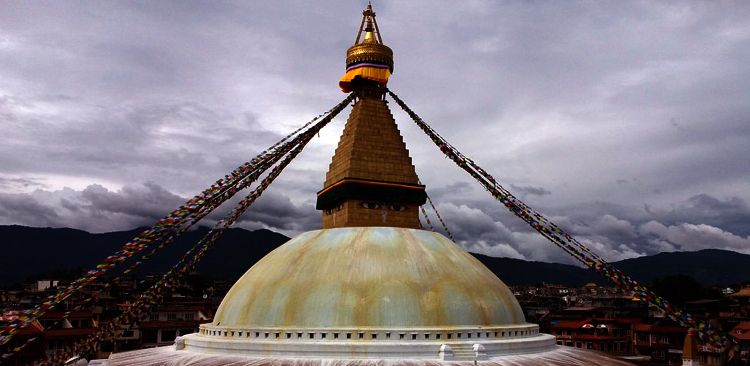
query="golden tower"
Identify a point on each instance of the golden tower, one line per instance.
(371, 180)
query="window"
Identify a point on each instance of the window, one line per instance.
(168, 335)
(171, 316)
(189, 316)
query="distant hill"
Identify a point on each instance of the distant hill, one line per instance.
(711, 267)
(520, 272)
(27, 253)
(708, 266)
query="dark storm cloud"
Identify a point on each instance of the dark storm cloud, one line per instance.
(19, 183)
(97, 209)
(627, 122)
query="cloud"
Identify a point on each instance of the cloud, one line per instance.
(19, 183)
(99, 209)
(629, 112)
(615, 232)
(530, 190)
(694, 237)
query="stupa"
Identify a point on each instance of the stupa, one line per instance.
(371, 286)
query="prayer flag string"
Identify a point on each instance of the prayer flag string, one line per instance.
(188, 262)
(564, 240)
(166, 229)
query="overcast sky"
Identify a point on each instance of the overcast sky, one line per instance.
(626, 122)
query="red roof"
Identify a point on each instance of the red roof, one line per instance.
(596, 337)
(629, 320)
(171, 324)
(570, 324)
(33, 328)
(744, 292)
(178, 308)
(655, 328)
(68, 332)
(73, 314)
(741, 331)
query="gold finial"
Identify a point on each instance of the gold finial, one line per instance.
(368, 58)
(370, 26)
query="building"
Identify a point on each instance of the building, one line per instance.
(741, 335)
(612, 336)
(27, 344)
(371, 286)
(662, 341)
(63, 329)
(166, 323)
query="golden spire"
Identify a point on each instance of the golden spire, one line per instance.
(371, 180)
(368, 59)
(368, 18)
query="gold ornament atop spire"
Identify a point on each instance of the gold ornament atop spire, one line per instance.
(368, 59)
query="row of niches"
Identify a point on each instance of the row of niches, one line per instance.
(372, 335)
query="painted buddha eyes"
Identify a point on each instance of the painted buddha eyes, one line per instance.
(376, 205)
(396, 207)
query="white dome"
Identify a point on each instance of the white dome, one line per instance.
(377, 277)
(369, 293)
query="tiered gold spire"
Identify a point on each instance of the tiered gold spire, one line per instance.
(371, 180)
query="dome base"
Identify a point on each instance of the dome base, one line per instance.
(423, 344)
